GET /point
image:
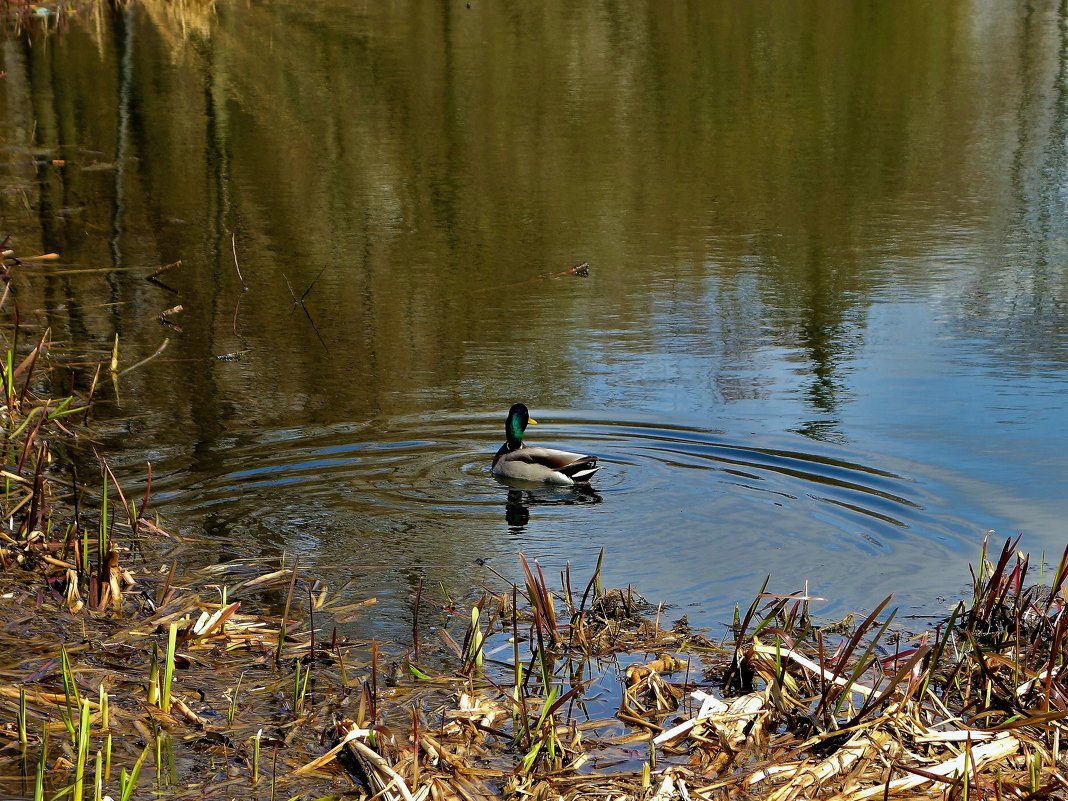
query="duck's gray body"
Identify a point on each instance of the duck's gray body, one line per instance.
(542, 465)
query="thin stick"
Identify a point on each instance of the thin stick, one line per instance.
(241, 278)
(237, 312)
(415, 618)
(161, 270)
(285, 615)
(144, 500)
(159, 350)
(312, 284)
(415, 747)
(311, 623)
(89, 400)
(167, 584)
(130, 516)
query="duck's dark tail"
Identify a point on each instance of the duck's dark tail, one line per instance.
(581, 470)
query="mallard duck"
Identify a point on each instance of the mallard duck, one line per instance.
(545, 465)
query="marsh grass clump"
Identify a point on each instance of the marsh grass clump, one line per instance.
(862, 708)
(102, 653)
(976, 704)
(37, 534)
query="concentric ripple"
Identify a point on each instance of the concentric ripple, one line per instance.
(687, 515)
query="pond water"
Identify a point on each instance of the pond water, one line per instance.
(823, 335)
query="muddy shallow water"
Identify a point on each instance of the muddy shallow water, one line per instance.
(823, 335)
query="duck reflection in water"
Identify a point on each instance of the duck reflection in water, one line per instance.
(521, 498)
(538, 476)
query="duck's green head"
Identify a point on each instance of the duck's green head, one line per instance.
(516, 424)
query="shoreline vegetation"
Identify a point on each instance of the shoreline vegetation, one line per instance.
(125, 675)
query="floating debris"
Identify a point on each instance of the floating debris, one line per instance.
(579, 270)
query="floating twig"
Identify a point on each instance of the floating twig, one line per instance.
(157, 352)
(154, 277)
(233, 247)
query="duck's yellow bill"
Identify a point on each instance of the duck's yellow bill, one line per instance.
(532, 421)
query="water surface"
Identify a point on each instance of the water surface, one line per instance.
(823, 335)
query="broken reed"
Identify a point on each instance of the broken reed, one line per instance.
(168, 668)
(46, 534)
(198, 628)
(816, 698)
(30, 420)
(32, 539)
(854, 679)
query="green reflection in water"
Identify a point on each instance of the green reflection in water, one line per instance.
(840, 219)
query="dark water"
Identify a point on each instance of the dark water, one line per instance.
(824, 333)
